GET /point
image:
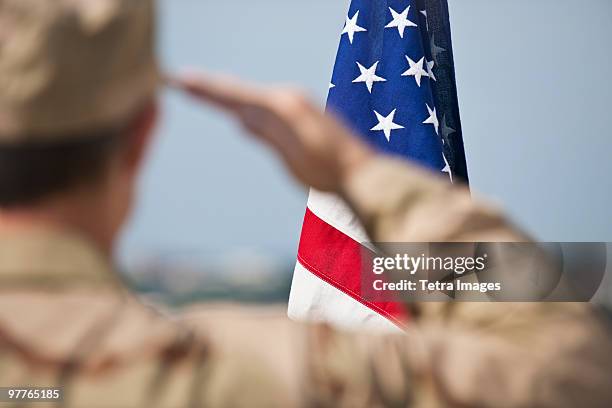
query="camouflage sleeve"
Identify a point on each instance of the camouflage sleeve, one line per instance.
(399, 203)
(478, 354)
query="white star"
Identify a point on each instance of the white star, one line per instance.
(386, 124)
(400, 20)
(432, 119)
(331, 86)
(447, 168)
(430, 66)
(351, 27)
(416, 70)
(368, 76)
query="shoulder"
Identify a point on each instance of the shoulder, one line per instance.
(110, 347)
(54, 326)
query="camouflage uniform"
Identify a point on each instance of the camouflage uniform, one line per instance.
(66, 319)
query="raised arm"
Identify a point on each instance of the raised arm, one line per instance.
(472, 354)
(396, 201)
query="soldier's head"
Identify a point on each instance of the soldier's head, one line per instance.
(77, 103)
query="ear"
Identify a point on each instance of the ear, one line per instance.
(140, 137)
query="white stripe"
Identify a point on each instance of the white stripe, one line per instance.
(314, 300)
(334, 211)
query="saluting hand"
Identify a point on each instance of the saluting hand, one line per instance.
(318, 150)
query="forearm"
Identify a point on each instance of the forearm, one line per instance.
(398, 202)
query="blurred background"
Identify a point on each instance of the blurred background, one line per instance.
(218, 218)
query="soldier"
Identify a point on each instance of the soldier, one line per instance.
(77, 107)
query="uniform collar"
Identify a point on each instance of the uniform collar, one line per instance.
(51, 257)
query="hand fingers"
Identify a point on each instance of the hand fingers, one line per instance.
(223, 91)
(273, 114)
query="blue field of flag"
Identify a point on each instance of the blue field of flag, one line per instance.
(394, 82)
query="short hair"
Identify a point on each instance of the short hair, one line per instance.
(32, 172)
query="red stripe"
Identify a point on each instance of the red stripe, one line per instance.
(336, 258)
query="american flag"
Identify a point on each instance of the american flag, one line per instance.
(394, 84)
